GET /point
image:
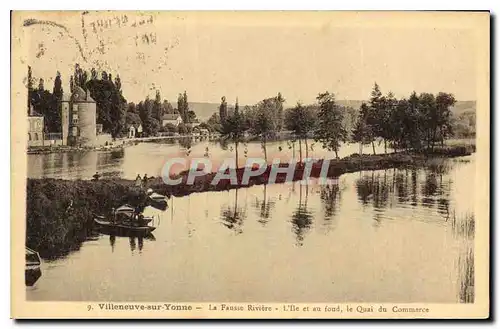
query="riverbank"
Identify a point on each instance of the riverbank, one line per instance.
(72, 149)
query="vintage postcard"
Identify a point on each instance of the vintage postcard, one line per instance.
(202, 165)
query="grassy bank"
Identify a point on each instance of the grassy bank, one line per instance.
(59, 212)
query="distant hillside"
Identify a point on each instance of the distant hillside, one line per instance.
(205, 110)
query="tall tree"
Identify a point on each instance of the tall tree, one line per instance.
(376, 114)
(93, 74)
(58, 89)
(111, 105)
(443, 128)
(29, 85)
(118, 83)
(387, 130)
(330, 132)
(158, 110)
(223, 109)
(53, 121)
(261, 122)
(361, 132)
(233, 129)
(280, 115)
(185, 109)
(41, 85)
(301, 120)
(180, 107)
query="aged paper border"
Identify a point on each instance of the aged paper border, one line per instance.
(477, 21)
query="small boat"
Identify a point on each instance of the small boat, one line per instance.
(125, 209)
(122, 228)
(158, 201)
(126, 214)
(32, 270)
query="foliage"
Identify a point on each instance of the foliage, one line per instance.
(419, 122)
(213, 123)
(233, 129)
(111, 105)
(330, 130)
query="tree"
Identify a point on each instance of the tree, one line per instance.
(214, 122)
(427, 120)
(167, 107)
(53, 113)
(158, 109)
(40, 85)
(386, 128)
(261, 122)
(118, 83)
(182, 129)
(301, 120)
(111, 105)
(180, 107)
(58, 90)
(233, 129)
(29, 85)
(443, 128)
(93, 74)
(132, 117)
(330, 131)
(191, 116)
(376, 114)
(361, 132)
(169, 127)
(223, 109)
(280, 115)
(185, 109)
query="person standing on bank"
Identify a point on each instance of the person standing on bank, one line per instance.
(138, 181)
(145, 181)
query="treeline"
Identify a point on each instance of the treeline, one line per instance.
(113, 111)
(44, 102)
(418, 123)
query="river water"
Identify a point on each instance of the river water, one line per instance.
(149, 158)
(393, 235)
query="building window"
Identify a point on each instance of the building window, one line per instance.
(29, 136)
(36, 136)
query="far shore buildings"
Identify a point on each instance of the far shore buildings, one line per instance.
(78, 123)
(134, 130)
(171, 118)
(35, 128)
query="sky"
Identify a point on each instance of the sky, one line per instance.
(253, 56)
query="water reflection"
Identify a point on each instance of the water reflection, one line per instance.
(302, 217)
(330, 197)
(466, 275)
(135, 242)
(374, 188)
(232, 217)
(264, 206)
(420, 247)
(431, 190)
(112, 241)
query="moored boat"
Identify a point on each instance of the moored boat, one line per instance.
(157, 200)
(32, 270)
(122, 228)
(126, 214)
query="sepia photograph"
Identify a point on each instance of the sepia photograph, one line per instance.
(250, 164)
